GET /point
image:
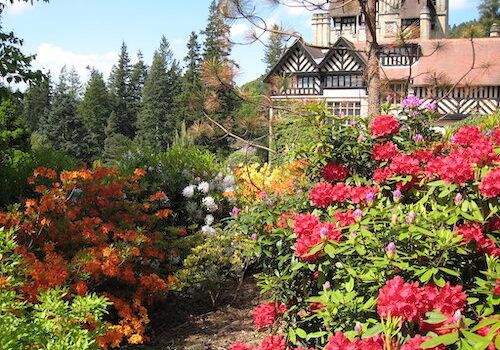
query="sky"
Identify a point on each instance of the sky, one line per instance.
(89, 33)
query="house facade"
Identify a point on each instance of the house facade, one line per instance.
(461, 76)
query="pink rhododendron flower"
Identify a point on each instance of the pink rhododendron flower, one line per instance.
(472, 232)
(404, 164)
(274, 343)
(415, 342)
(304, 224)
(400, 299)
(450, 170)
(322, 194)
(241, 346)
(384, 125)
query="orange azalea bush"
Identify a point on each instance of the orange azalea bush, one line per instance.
(85, 230)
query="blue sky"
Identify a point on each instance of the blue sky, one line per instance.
(83, 33)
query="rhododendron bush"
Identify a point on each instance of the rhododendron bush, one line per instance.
(392, 245)
(87, 231)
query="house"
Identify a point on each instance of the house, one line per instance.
(461, 75)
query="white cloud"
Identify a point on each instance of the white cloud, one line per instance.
(239, 29)
(52, 58)
(462, 4)
(17, 8)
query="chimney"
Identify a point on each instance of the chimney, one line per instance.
(321, 29)
(495, 30)
(425, 23)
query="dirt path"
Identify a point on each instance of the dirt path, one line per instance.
(193, 324)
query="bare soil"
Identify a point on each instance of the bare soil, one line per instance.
(182, 323)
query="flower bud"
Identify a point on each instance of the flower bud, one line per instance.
(457, 317)
(394, 219)
(361, 138)
(458, 199)
(396, 195)
(254, 236)
(358, 213)
(418, 138)
(327, 285)
(390, 250)
(323, 232)
(358, 328)
(410, 217)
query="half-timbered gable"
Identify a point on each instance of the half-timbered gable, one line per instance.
(342, 58)
(297, 72)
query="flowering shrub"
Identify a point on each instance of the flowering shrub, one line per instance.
(85, 230)
(402, 254)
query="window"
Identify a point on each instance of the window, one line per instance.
(344, 108)
(305, 82)
(403, 55)
(347, 23)
(343, 81)
(407, 22)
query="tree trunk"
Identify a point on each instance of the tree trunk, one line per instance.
(373, 50)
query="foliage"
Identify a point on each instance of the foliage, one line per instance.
(414, 207)
(36, 104)
(57, 321)
(241, 158)
(14, 138)
(275, 47)
(85, 230)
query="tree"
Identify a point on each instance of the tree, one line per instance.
(95, 108)
(14, 136)
(36, 104)
(489, 14)
(157, 120)
(63, 127)
(191, 99)
(275, 47)
(217, 44)
(137, 80)
(119, 86)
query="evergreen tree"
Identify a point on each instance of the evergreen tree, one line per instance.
(489, 14)
(95, 108)
(14, 136)
(137, 79)
(217, 44)
(157, 120)
(63, 128)
(74, 84)
(36, 104)
(274, 48)
(119, 86)
(192, 96)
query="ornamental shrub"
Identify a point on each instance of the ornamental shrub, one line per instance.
(401, 254)
(87, 231)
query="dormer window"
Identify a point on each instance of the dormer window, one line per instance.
(347, 23)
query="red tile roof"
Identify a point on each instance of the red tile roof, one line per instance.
(446, 61)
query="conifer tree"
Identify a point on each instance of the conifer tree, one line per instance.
(274, 48)
(119, 86)
(63, 128)
(36, 104)
(157, 120)
(137, 79)
(489, 14)
(192, 95)
(217, 44)
(95, 108)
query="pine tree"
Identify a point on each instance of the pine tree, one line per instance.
(217, 44)
(157, 120)
(274, 48)
(36, 104)
(192, 96)
(63, 128)
(489, 14)
(137, 79)
(119, 86)
(95, 108)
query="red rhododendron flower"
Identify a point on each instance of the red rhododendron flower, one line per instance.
(490, 184)
(467, 135)
(322, 232)
(495, 135)
(264, 315)
(384, 125)
(360, 194)
(322, 194)
(304, 224)
(472, 232)
(415, 342)
(404, 164)
(400, 299)
(423, 155)
(382, 174)
(384, 151)
(274, 343)
(345, 218)
(340, 342)
(450, 169)
(485, 331)
(332, 172)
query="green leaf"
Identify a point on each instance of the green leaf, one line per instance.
(301, 333)
(484, 323)
(449, 271)
(377, 329)
(446, 339)
(476, 339)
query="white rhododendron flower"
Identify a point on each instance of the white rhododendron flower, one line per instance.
(204, 187)
(188, 191)
(209, 219)
(207, 229)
